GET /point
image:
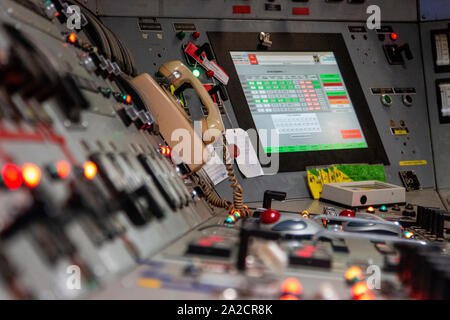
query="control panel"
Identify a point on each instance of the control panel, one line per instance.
(97, 98)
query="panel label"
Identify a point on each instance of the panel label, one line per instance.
(413, 163)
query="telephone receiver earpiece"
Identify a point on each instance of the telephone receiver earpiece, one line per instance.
(178, 74)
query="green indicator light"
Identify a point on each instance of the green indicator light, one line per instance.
(383, 208)
(196, 73)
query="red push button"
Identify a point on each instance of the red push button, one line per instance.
(269, 216)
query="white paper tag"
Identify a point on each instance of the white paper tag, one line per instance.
(215, 168)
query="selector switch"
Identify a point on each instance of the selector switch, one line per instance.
(407, 100)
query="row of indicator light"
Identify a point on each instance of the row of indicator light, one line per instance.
(371, 209)
(359, 290)
(30, 174)
(165, 151)
(291, 288)
(234, 216)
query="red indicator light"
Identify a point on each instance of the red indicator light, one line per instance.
(353, 273)
(394, 36)
(289, 297)
(359, 289)
(371, 209)
(269, 216)
(366, 296)
(12, 176)
(72, 38)
(128, 98)
(31, 174)
(292, 286)
(166, 151)
(63, 169)
(90, 170)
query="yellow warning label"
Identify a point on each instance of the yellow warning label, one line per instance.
(315, 185)
(400, 132)
(413, 163)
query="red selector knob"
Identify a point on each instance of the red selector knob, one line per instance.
(196, 35)
(269, 216)
(210, 73)
(347, 213)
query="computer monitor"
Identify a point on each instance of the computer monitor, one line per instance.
(301, 95)
(306, 89)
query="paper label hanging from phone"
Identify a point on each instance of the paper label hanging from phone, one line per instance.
(214, 167)
(246, 159)
(219, 74)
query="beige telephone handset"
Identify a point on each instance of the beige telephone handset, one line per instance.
(171, 117)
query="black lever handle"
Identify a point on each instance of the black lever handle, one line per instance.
(219, 89)
(206, 48)
(405, 48)
(270, 195)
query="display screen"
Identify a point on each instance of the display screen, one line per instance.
(301, 95)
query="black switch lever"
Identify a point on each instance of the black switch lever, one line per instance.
(394, 52)
(270, 195)
(405, 48)
(206, 48)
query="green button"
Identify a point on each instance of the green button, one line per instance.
(181, 35)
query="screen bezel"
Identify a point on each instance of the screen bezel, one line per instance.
(225, 42)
